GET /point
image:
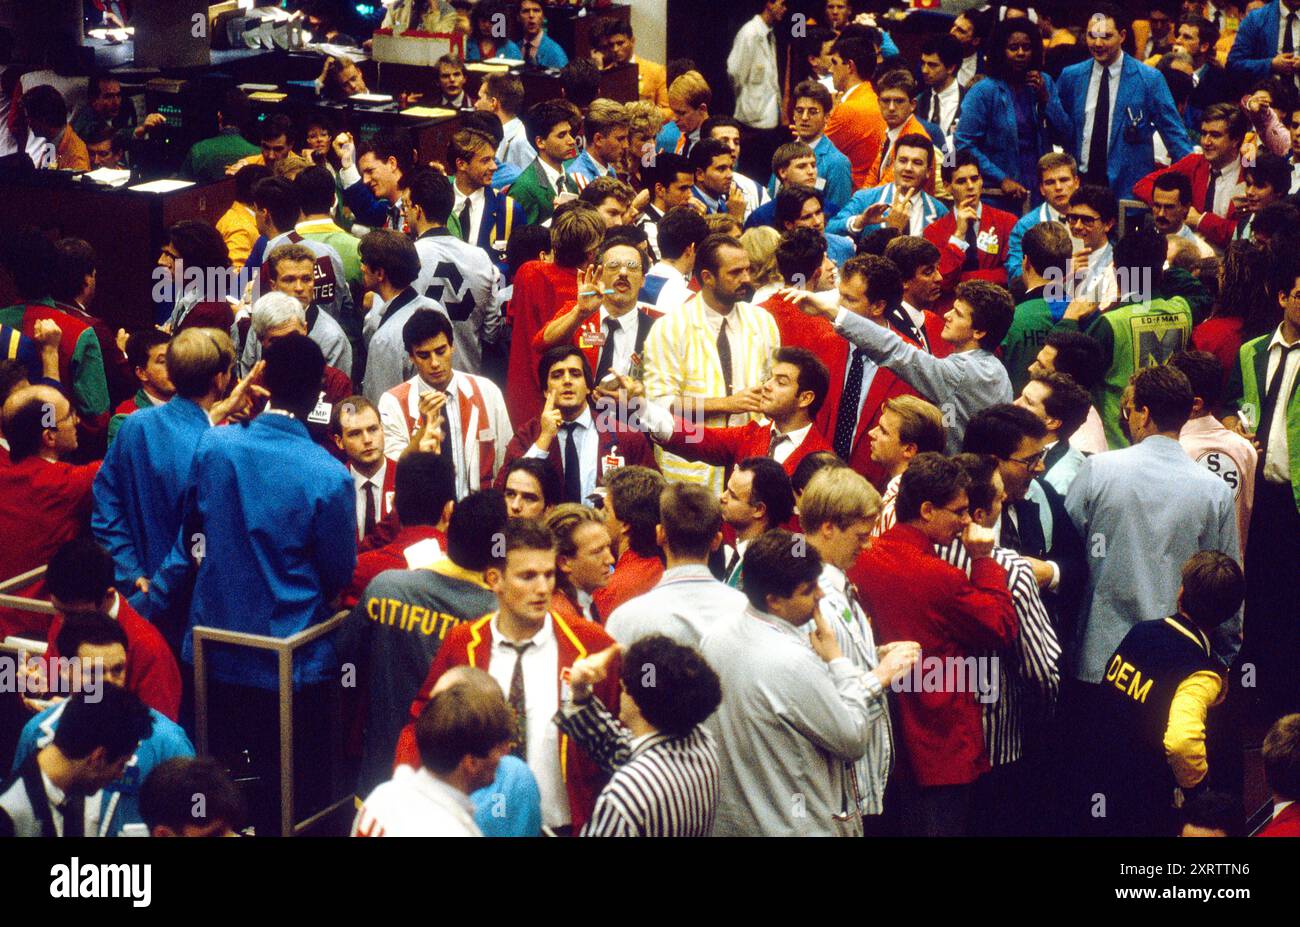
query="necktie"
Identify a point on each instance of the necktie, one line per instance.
(1271, 398)
(972, 259)
(74, 816)
(884, 154)
(1208, 205)
(464, 219)
(1010, 533)
(934, 106)
(593, 613)
(368, 521)
(530, 52)
(518, 703)
(607, 352)
(775, 441)
(724, 356)
(395, 219)
(846, 420)
(1288, 37)
(444, 426)
(572, 469)
(1100, 142)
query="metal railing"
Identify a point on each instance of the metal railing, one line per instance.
(284, 649)
(22, 603)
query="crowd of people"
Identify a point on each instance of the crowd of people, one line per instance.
(913, 450)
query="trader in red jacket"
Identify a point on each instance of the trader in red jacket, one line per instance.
(1281, 752)
(526, 649)
(971, 238)
(913, 595)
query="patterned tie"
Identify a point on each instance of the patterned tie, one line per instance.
(775, 441)
(572, 468)
(1099, 144)
(934, 106)
(724, 356)
(518, 703)
(607, 352)
(846, 420)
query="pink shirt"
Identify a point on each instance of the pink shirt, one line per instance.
(1227, 455)
(1091, 436)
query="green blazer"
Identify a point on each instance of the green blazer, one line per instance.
(534, 193)
(1245, 388)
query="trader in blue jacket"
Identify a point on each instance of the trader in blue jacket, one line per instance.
(1262, 46)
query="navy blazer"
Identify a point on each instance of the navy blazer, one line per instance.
(1255, 47)
(1142, 101)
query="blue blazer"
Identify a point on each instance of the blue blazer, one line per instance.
(869, 196)
(987, 129)
(1142, 100)
(501, 216)
(1255, 46)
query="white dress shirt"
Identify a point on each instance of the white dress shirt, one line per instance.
(624, 338)
(869, 368)
(542, 699)
(90, 809)
(949, 102)
(966, 73)
(361, 483)
(477, 203)
(1090, 109)
(715, 321)
(1277, 461)
(415, 803)
(588, 441)
(675, 291)
(1226, 187)
(782, 451)
(1282, 12)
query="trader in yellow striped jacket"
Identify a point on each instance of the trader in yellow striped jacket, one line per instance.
(708, 360)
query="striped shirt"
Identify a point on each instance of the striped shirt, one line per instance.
(661, 786)
(1027, 690)
(887, 518)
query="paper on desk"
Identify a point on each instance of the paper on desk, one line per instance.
(267, 97)
(428, 112)
(482, 67)
(252, 88)
(161, 186)
(372, 97)
(109, 176)
(508, 62)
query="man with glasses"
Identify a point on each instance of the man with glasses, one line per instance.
(1090, 218)
(952, 617)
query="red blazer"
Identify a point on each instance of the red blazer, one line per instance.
(912, 595)
(631, 444)
(646, 316)
(387, 497)
(800, 330)
(885, 385)
(726, 447)
(634, 575)
(991, 261)
(389, 557)
(1286, 824)
(470, 644)
(539, 289)
(1215, 229)
(151, 670)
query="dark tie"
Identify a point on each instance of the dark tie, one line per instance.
(1288, 37)
(1097, 146)
(1010, 533)
(607, 352)
(846, 420)
(74, 816)
(934, 106)
(884, 154)
(395, 217)
(724, 356)
(1270, 402)
(369, 519)
(593, 612)
(464, 219)
(572, 468)
(774, 441)
(972, 259)
(444, 427)
(518, 703)
(530, 53)
(1208, 205)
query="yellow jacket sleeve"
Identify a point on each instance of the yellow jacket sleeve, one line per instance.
(1185, 735)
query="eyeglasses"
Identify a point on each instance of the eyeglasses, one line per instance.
(1082, 218)
(616, 266)
(1029, 462)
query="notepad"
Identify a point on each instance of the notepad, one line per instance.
(267, 96)
(428, 112)
(372, 97)
(161, 186)
(253, 88)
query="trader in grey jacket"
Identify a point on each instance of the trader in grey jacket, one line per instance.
(961, 384)
(795, 709)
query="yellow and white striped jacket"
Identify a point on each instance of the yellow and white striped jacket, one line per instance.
(681, 362)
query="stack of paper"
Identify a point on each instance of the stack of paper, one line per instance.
(161, 186)
(109, 176)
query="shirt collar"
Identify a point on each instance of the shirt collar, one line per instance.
(377, 480)
(777, 624)
(550, 174)
(431, 785)
(584, 419)
(540, 638)
(1114, 67)
(797, 436)
(1278, 340)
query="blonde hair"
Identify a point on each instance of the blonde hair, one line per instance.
(195, 356)
(760, 244)
(563, 522)
(690, 89)
(721, 223)
(644, 117)
(919, 423)
(576, 234)
(604, 116)
(838, 496)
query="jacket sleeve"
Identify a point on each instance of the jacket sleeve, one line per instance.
(839, 182)
(717, 446)
(1168, 123)
(89, 384)
(1015, 251)
(1184, 739)
(973, 131)
(951, 257)
(979, 612)
(1251, 53)
(108, 519)
(855, 206)
(929, 375)
(834, 707)
(366, 207)
(1060, 101)
(336, 535)
(1037, 648)
(597, 733)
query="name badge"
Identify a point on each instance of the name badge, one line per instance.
(613, 460)
(566, 692)
(388, 501)
(321, 414)
(987, 242)
(591, 339)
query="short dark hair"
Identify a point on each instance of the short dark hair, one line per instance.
(979, 470)
(1204, 373)
(884, 282)
(1078, 355)
(859, 52)
(717, 121)
(1180, 83)
(542, 118)
(464, 720)
(1207, 33)
(553, 356)
(74, 262)
(29, 258)
(813, 374)
(1097, 198)
(810, 466)
(1176, 182)
(790, 201)
(580, 82)
(167, 796)
(392, 143)
(1140, 257)
(508, 90)
(314, 188)
(602, 30)
(423, 485)
(391, 251)
(666, 167)
(1281, 755)
(1271, 170)
(116, 720)
(1048, 245)
(275, 126)
(276, 195)
(1212, 810)
(634, 496)
(704, 152)
(525, 534)
(1213, 588)
(1231, 114)
(815, 91)
(548, 478)
(945, 46)
(706, 255)
(1123, 22)
(1066, 400)
(930, 477)
(1276, 219)
(963, 158)
(476, 524)
(691, 518)
(910, 253)
(992, 310)
(44, 104)
(917, 140)
(80, 572)
(771, 489)
(294, 367)
(199, 244)
(773, 567)
(897, 79)
(999, 429)
(425, 325)
(95, 629)
(671, 684)
(249, 176)
(799, 254)
(678, 230)
(1166, 393)
(432, 191)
